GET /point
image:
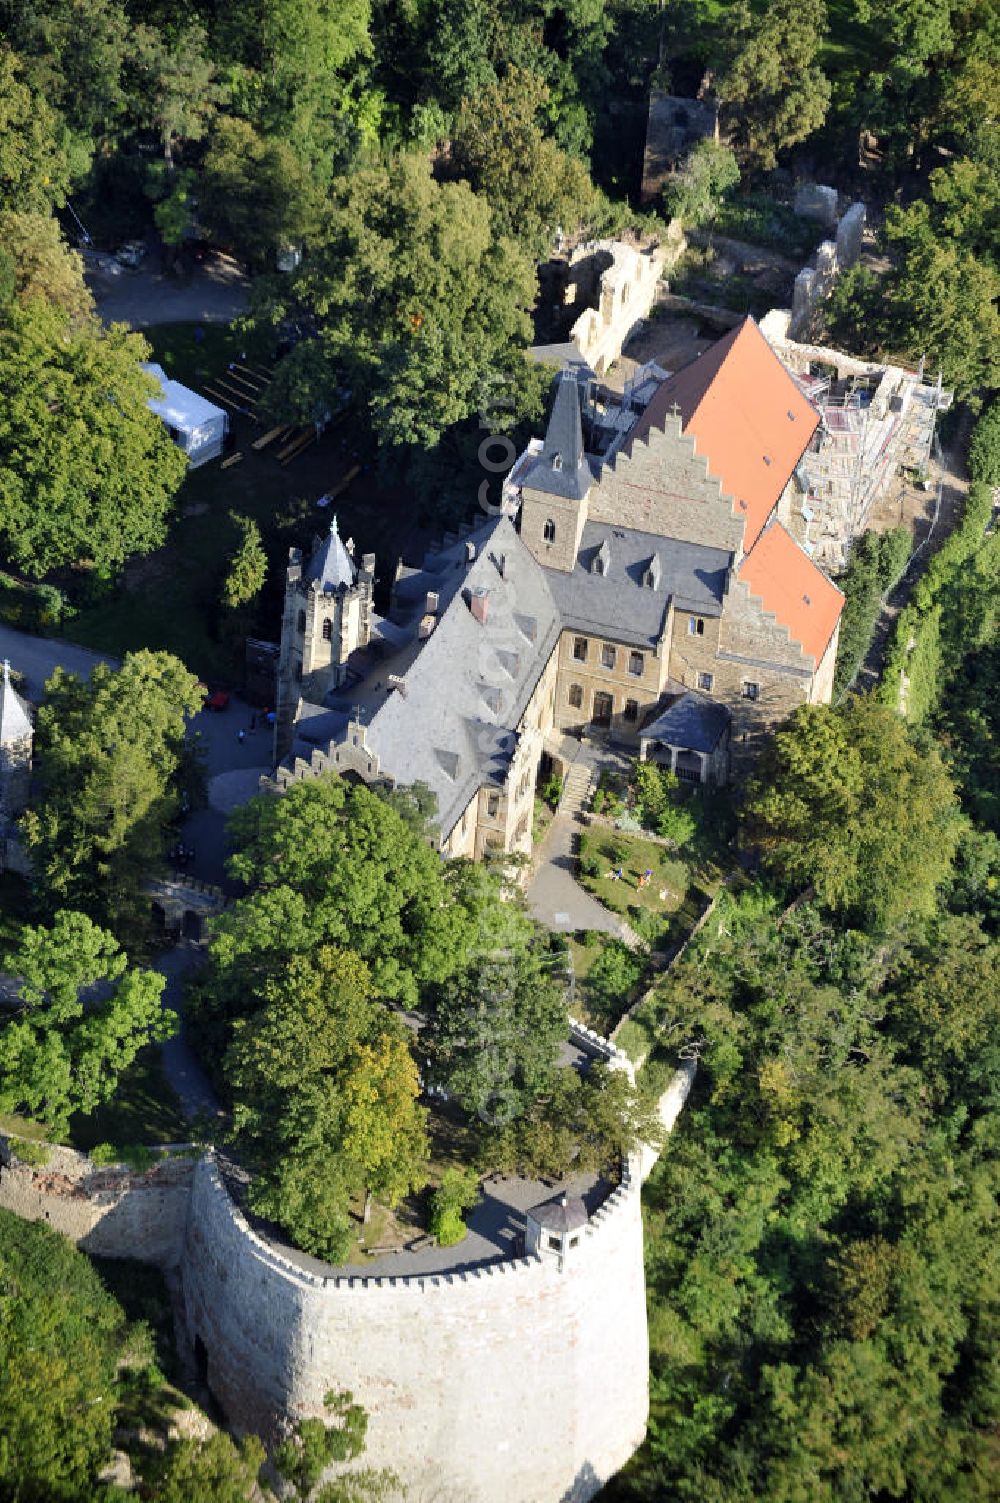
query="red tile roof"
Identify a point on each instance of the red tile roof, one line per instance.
(789, 583)
(747, 416)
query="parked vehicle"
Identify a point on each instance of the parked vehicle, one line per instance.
(217, 700)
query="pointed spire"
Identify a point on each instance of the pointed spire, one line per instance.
(15, 722)
(331, 564)
(562, 468)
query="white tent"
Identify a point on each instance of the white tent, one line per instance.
(196, 425)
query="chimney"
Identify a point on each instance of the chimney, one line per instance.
(479, 605)
(396, 681)
(503, 566)
(427, 625)
(470, 553)
(368, 563)
(431, 603)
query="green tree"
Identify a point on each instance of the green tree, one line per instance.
(319, 1442)
(254, 195)
(61, 1052)
(216, 1470)
(76, 55)
(416, 302)
(984, 447)
(846, 802)
(325, 1100)
(695, 192)
(531, 185)
(87, 472)
(108, 752)
(177, 92)
(494, 1031)
(247, 568)
(67, 1354)
(41, 265)
(34, 169)
(772, 90)
(332, 863)
(456, 1194)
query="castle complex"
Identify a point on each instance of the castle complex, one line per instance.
(651, 592)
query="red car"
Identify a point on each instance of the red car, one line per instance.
(217, 701)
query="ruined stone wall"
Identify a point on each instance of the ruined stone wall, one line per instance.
(113, 1212)
(511, 1381)
(664, 487)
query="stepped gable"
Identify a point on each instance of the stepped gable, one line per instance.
(792, 587)
(747, 417)
(452, 723)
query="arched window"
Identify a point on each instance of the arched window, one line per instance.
(302, 622)
(327, 629)
(549, 531)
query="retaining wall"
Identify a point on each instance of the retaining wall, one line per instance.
(514, 1380)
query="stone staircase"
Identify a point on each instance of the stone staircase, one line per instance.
(576, 790)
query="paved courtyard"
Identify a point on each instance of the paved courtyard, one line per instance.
(215, 293)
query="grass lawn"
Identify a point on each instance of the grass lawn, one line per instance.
(671, 875)
(171, 600)
(144, 1109)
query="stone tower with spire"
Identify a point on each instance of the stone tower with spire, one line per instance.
(556, 489)
(327, 616)
(16, 737)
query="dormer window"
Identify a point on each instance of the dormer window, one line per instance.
(557, 461)
(652, 574)
(549, 531)
(601, 559)
(696, 626)
(327, 630)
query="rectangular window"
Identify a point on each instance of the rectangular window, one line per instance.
(492, 805)
(580, 649)
(751, 690)
(575, 696)
(631, 711)
(705, 681)
(696, 626)
(609, 655)
(636, 664)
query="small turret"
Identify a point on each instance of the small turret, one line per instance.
(553, 1228)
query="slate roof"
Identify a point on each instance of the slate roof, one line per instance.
(452, 725)
(562, 468)
(15, 720)
(794, 588)
(331, 564)
(618, 605)
(693, 722)
(747, 416)
(562, 1214)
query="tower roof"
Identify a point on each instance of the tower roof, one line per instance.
(561, 468)
(562, 1214)
(15, 722)
(331, 565)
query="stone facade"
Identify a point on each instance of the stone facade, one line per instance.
(111, 1211)
(525, 1377)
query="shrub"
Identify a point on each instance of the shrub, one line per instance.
(31, 1153)
(677, 824)
(551, 792)
(616, 850)
(136, 1155)
(611, 980)
(588, 937)
(984, 448)
(458, 1192)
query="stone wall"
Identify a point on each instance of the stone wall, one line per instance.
(815, 282)
(514, 1380)
(661, 485)
(113, 1212)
